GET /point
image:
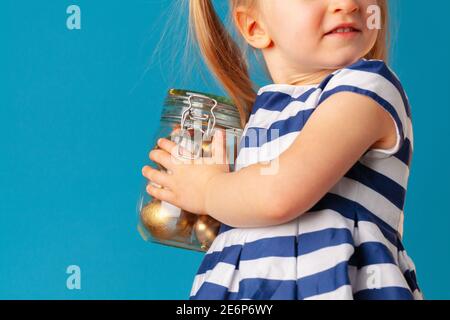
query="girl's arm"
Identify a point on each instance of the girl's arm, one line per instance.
(333, 139)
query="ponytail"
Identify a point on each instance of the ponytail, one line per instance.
(222, 56)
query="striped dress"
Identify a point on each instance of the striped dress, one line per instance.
(349, 244)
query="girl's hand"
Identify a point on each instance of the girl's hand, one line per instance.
(185, 183)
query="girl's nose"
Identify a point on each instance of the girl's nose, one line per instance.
(345, 6)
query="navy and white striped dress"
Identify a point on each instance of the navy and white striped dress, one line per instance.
(349, 245)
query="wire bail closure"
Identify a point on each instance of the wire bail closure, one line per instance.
(206, 135)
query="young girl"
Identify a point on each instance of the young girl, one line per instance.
(316, 210)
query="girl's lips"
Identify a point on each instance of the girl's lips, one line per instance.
(345, 35)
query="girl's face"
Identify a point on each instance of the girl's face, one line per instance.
(298, 29)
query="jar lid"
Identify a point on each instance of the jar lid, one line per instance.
(225, 112)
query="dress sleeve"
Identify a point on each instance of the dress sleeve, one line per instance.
(373, 78)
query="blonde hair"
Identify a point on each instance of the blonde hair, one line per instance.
(227, 59)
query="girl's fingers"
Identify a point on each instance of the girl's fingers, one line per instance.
(155, 176)
(163, 158)
(161, 194)
(166, 145)
(175, 150)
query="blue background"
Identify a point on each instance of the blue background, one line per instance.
(78, 111)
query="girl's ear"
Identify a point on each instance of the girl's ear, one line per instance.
(252, 28)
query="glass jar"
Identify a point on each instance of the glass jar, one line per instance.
(187, 115)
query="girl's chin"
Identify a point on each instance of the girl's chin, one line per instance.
(342, 60)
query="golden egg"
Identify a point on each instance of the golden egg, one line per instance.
(186, 224)
(159, 222)
(207, 148)
(206, 229)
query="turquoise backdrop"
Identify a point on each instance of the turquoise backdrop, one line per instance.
(78, 111)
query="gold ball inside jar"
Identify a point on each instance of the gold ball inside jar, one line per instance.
(186, 223)
(207, 148)
(206, 229)
(158, 221)
(164, 225)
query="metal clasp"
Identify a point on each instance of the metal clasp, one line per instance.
(206, 134)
